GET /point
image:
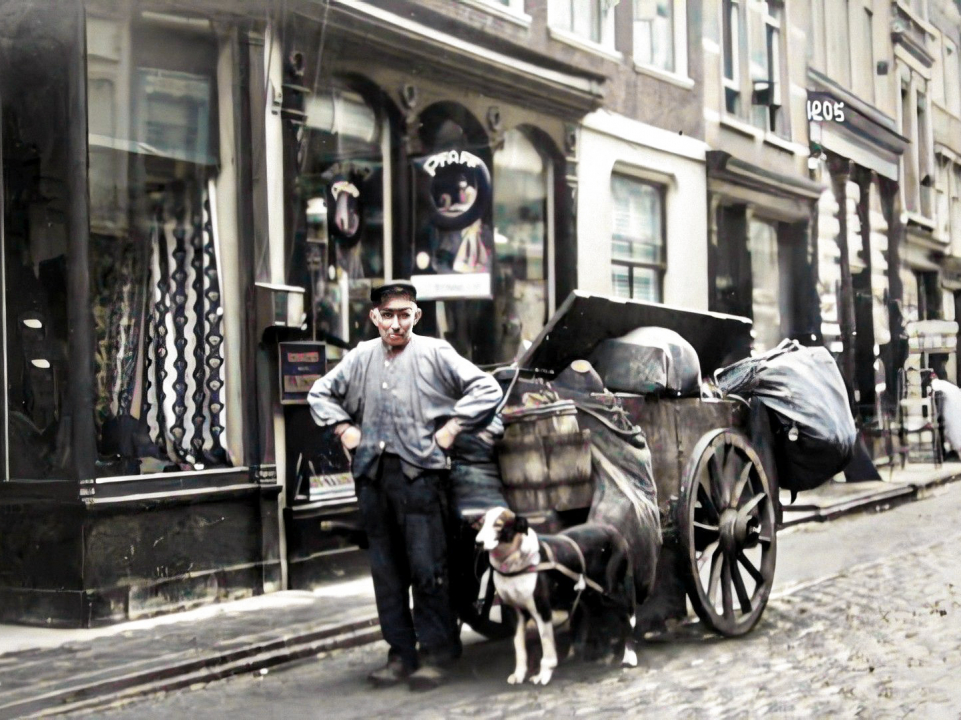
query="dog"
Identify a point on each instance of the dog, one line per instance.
(585, 569)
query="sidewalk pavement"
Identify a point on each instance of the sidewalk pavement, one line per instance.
(47, 671)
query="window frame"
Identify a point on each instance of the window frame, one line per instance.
(731, 41)
(952, 90)
(631, 265)
(679, 54)
(740, 91)
(604, 45)
(513, 11)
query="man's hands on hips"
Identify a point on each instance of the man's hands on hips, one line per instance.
(446, 435)
(349, 435)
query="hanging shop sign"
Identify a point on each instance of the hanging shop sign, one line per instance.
(454, 252)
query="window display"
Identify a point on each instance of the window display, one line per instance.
(521, 184)
(342, 186)
(155, 269)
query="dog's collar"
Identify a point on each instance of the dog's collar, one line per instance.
(517, 562)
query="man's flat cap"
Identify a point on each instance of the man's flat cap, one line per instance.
(393, 286)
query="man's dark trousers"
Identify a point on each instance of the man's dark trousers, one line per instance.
(404, 521)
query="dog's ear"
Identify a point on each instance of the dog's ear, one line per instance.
(520, 525)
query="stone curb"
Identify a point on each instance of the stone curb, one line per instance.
(178, 672)
(883, 499)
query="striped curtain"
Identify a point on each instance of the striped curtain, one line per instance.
(184, 364)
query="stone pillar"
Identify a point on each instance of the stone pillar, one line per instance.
(840, 169)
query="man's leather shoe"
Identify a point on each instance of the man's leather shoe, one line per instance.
(427, 677)
(392, 673)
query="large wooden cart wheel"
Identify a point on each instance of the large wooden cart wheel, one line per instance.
(726, 519)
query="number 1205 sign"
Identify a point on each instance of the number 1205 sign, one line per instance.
(825, 110)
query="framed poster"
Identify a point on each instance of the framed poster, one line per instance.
(454, 246)
(301, 364)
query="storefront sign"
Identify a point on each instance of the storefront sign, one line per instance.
(451, 157)
(301, 364)
(453, 286)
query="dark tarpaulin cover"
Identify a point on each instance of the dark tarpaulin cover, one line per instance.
(625, 496)
(803, 389)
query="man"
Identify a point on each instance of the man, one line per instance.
(398, 403)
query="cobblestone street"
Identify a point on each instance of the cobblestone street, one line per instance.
(879, 638)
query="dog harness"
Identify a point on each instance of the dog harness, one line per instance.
(581, 581)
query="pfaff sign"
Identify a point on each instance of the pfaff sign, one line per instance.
(451, 157)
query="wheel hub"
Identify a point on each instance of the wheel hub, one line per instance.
(733, 529)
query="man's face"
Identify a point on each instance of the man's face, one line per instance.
(395, 319)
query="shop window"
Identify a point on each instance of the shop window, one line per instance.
(591, 20)
(453, 250)
(36, 433)
(157, 284)
(771, 296)
(343, 196)
(637, 242)
(656, 23)
(522, 182)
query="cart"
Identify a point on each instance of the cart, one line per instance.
(712, 467)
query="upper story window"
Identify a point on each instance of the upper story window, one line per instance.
(863, 49)
(815, 35)
(654, 33)
(732, 39)
(638, 258)
(753, 89)
(765, 64)
(660, 35)
(918, 7)
(591, 20)
(837, 30)
(952, 77)
(511, 7)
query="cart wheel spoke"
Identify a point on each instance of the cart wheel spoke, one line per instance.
(715, 575)
(707, 503)
(707, 528)
(751, 504)
(726, 599)
(739, 588)
(716, 475)
(742, 481)
(705, 555)
(749, 566)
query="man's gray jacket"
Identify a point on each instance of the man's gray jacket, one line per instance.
(400, 401)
